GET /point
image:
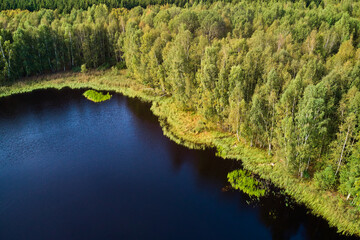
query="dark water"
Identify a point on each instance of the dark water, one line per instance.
(73, 169)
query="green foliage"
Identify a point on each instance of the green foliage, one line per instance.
(121, 65)
(76, 69)
(350, 174)
(243, 180)
(311, 126)
(103, 67)
(356, 200)
(67, 6)
(95, 96)
(325, 179)
(83, 68)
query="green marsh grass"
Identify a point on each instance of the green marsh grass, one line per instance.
(95, 96)
(244, 181)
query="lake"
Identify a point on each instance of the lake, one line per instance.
(74, 169)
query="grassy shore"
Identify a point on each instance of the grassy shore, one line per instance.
(187, 128)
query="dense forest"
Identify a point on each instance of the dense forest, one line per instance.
(282, 76)
(69, 5)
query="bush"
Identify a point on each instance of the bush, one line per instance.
(121, 65)
(83, 68)
(306, 174)
(114, 70)
(103, 67)
(325, 179)
(76, 69)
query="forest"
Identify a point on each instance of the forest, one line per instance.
(68, 6)
(282, 76)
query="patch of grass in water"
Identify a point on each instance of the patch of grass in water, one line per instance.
(95, 96)
(243, 180)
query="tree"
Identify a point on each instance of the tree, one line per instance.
(132, 45)
(349, 111)
(178, 66)
(350, 173)
(310, 125)
(212, 25)
(237, 79)
(5, 62)
(238, 110)
(146, 65)
(209, 76)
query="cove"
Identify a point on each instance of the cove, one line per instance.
(74, 169)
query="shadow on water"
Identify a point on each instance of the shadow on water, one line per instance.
(282, 218)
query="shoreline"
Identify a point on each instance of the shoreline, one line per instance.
(186, 128)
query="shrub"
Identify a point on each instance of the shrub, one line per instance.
(121, 65)
(83, 68)
(103, 67)
(76, 69)
(325, 179)
(306, 174)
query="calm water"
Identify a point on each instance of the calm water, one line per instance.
(73, 169)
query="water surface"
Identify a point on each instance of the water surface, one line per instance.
(74, 169)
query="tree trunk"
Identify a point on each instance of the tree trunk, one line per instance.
(269, 149)
(348, 196)
(9, 68)
(308, 164)
(71, 50)
(342, 151)
(7, 61)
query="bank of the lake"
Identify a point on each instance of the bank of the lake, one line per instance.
(187, 128)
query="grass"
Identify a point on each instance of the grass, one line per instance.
(96, 80)
(244, 181)
(187, 128)
(95, 96)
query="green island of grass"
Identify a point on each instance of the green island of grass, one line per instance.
(244, 181)
(95, 96)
